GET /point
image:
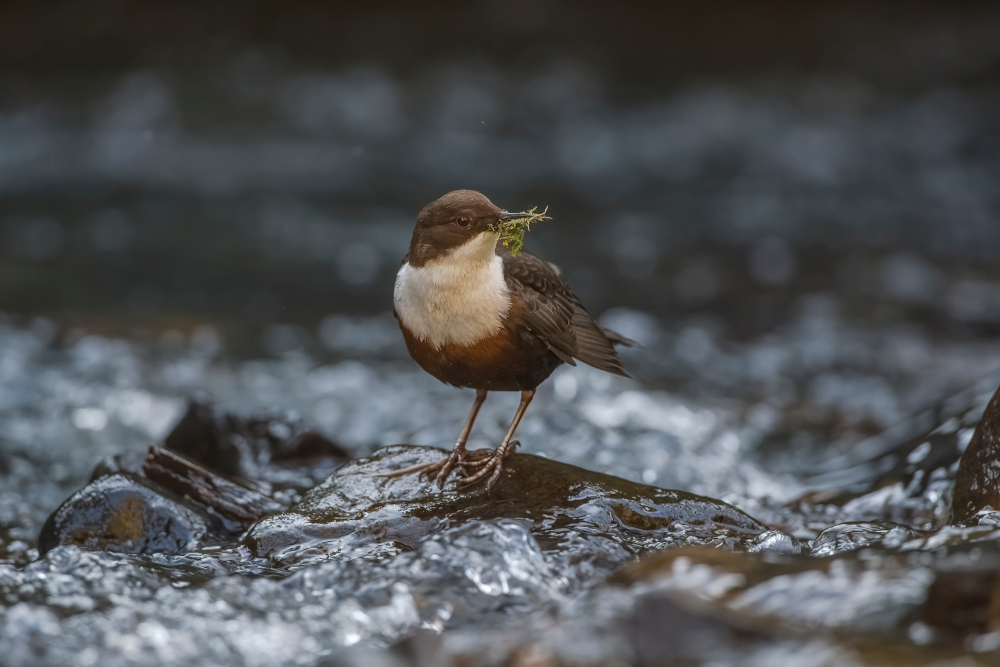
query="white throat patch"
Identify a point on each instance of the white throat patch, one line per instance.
(460, 298)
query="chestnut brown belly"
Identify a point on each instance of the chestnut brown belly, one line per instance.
(513, 360)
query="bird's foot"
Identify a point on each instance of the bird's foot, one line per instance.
(489, 466)
(487, 461)
(461, 459)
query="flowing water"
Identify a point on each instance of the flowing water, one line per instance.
(832, 579)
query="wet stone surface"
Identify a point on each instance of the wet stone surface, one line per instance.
(360, 511)
(124, 513)
(164, 503)
(977, 482)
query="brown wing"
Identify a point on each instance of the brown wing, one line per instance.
(556, 316)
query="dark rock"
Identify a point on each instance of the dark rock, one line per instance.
(360, 510)
(977, 482)
(237, 446)
(125, 513)
(306, 447)
(162, 503)
(201, 435)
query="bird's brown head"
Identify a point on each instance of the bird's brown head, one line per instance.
(452, 221)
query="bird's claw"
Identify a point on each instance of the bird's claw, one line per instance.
(446, 466)
(492, 465)
(488, 461)
(461, 459)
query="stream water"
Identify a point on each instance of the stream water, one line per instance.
(488, 586)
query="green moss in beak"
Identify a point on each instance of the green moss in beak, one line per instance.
(512, 228)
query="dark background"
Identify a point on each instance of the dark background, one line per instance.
(165, 165)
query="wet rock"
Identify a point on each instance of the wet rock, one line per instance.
(305, 448)
(977, 482)
(237, 446)
(200, 435)
(360, 510)
(125, 513)
(857, 535)
(164, 503)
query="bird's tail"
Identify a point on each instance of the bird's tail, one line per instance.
(618, 339)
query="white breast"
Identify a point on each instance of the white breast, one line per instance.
(460, 297)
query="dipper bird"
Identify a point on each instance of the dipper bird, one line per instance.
(474, 315)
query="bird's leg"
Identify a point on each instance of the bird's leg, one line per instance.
(494, 463)
(458, 453)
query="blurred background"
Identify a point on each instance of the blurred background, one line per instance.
(256, 167)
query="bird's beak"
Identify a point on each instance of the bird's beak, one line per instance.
(504, 216)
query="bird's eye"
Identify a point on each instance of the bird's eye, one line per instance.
(463, 221)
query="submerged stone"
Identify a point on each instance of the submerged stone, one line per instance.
(362, 510)
(977, 482)
(125, 513)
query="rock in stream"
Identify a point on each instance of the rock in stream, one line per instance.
(977, 482)
(360, 510)
(168, 505)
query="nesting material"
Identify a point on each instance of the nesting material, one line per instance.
(512, 231)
